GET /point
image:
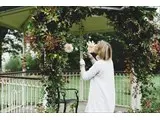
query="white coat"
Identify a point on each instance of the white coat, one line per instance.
(102, 86)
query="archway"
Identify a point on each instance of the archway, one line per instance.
(135, 32)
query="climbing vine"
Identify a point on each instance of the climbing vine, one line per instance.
(136, 33)
(48, 31)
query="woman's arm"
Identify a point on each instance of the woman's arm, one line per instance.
(92, 72)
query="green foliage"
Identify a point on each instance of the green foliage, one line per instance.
(148, 107)
(136, 33)
(10, 41)
(49, 27)
(32, 63)
(14, 64)
(48, 43)
(151, 106)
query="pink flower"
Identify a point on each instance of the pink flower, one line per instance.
(68, 48)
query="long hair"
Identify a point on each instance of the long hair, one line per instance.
(104, 50)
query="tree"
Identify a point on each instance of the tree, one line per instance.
(14, 64)
(10, 42)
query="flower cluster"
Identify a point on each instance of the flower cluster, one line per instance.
(91, 46)
(155, 47)
(68, 48)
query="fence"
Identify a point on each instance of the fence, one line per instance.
(21, 92)
(122, 84)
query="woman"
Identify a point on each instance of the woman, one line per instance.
(101, 75)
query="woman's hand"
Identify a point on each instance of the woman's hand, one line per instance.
(82, 62)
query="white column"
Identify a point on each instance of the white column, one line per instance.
(81, 29)
(139, 96)
(46, 93)
(45, 99)
(23, 69)
(81, 80)
(135, 93)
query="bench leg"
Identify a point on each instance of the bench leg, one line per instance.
(57, 110)
(76, 110)
(65, 105)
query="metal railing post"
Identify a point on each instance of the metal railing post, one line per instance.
(2, 94)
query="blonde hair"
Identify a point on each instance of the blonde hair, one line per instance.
(104, 50)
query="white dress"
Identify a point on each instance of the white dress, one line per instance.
(102, 86)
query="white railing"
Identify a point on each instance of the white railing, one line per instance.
(122, 84)
(22, 94)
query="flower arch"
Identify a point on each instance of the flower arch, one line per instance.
(50, 25)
